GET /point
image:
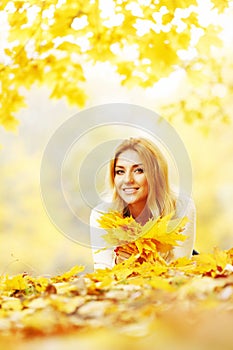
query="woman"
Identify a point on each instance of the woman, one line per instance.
(140, 187)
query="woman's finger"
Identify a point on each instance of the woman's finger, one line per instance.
(121, 255)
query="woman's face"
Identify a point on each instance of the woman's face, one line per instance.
(130, 180)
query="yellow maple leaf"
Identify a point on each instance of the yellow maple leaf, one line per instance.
(113, 219)
(69, 47)
(221, 5)
(8, 121)
(165, 229)
(208, 39)
(140, 246)
(40, 283)
(18, 282)
(161, 283)
(167, 18)
(181, 262)
(183, 4)
(146, 269)
(230, 255)
(221, 258)
(69, 274)
(211, 264)
(120, 230)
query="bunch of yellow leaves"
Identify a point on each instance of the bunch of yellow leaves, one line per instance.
(150, 242)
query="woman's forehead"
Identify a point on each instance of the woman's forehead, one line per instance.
(129, 156)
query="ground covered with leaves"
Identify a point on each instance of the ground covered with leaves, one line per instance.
(184, 304)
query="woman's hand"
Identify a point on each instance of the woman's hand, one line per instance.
(121, 255)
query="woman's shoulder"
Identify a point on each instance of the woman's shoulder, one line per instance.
(103, 207)
(98, 211)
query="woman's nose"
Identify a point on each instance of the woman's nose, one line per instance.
(129, 177)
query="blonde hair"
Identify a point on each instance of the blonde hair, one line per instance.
(161, 200)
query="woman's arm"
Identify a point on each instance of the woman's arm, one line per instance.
(104, 258)
(186, 247)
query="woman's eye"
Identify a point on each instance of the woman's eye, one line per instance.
(139, 170)
(119, 172)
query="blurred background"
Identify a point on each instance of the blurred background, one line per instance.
(30, 242)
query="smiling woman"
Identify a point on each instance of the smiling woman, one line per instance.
(131, 183)
(140, 188)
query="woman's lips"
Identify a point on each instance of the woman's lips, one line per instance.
(130, 190)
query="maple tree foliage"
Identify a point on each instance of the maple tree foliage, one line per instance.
(50, 42)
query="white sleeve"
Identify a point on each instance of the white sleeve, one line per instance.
(186, 247)
(104, 258)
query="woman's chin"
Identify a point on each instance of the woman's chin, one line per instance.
(130, 200)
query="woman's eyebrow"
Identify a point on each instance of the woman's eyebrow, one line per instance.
(133, 166)
(136, 165)
(119, 166)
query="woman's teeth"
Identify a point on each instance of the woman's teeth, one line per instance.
(130, 190)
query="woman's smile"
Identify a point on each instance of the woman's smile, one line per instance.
(131, 190)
